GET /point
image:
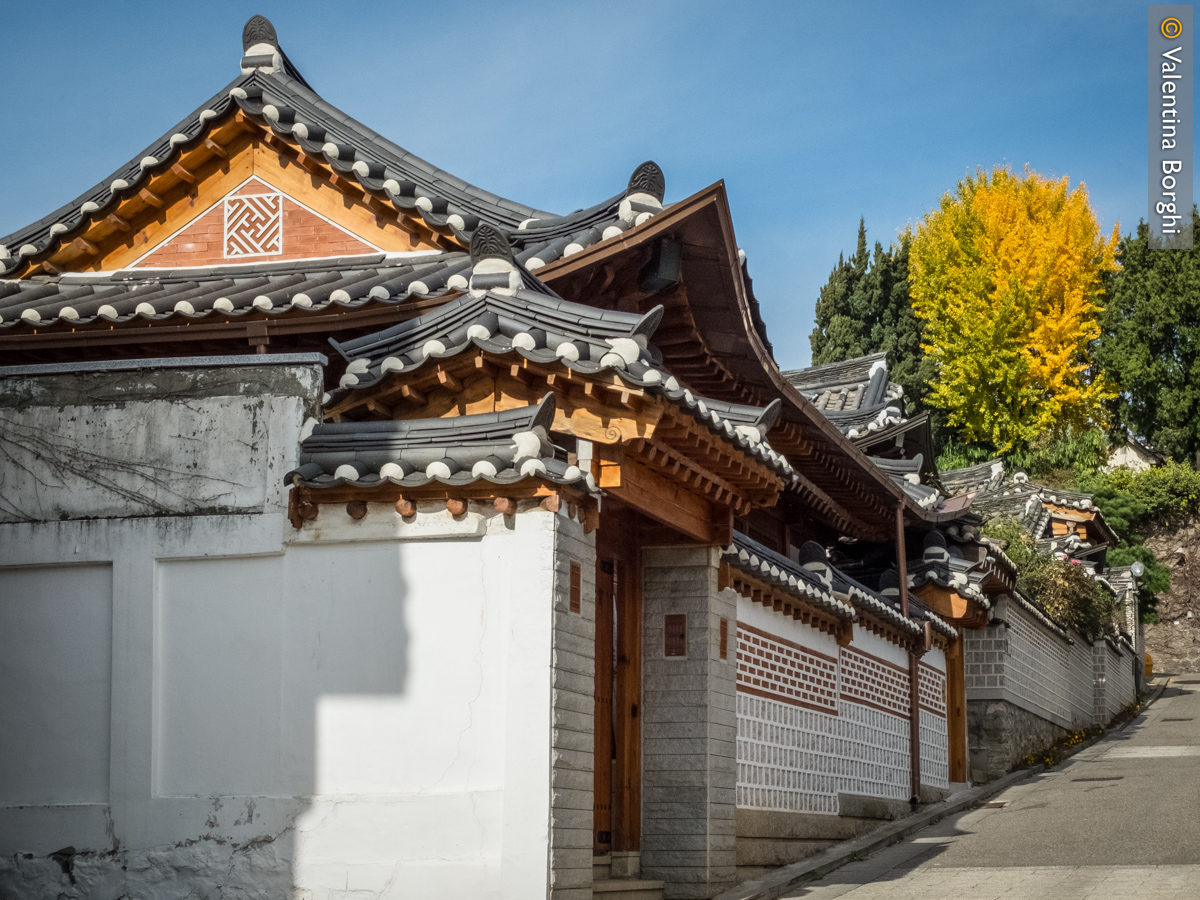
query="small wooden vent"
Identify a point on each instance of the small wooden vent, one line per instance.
(675, 635)
(724, 639)
(576, 601)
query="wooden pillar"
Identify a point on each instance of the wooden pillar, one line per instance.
(627, 776)
(602, 758)
(956, 708)
(617, 756)
(914, 684)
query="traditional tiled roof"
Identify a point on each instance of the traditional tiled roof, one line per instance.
(907, 474)
(947, 568)
(500, 313)
(271, 92)
(498, 447)
(855, 394)
(882, 604)
(984, 476)
(261, 289)
(761, 562)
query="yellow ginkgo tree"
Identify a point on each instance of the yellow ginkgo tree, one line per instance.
(1007, 274)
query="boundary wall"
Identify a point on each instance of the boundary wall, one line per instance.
(818, 723)
(1029, 683)
(208, 702)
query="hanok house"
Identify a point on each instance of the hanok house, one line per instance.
(367, 533)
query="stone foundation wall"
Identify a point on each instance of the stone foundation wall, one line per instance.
(1001, 734)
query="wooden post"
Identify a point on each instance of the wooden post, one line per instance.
(914, 686)
(956, 708)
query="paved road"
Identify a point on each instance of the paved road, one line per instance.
(1119, 820)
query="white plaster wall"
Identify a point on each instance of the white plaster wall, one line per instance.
(372, 716)
(55, 669)
(217, 705)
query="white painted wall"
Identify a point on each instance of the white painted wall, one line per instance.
(216, 705)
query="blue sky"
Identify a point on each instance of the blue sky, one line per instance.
(812, 113)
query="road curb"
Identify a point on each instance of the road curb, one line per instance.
(783, 879)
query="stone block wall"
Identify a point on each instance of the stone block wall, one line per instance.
(1001, 734)
(688, 727)
(1027, 686)
(573, 707)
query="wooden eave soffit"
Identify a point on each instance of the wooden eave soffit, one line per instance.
(649, 453)
(952, 606)
(168, 200)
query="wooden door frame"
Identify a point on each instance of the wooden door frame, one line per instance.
(619, 539)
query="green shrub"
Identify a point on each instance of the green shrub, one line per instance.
(1062, 587)
(1070, 595)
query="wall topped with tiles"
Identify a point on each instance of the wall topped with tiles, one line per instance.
(815, 720)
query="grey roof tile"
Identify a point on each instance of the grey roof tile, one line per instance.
(498, 447)
(761, 562)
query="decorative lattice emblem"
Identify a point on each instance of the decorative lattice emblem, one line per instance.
(253, 225)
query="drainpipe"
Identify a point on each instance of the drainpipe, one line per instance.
(914, 710)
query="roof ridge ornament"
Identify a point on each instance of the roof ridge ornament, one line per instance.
(493, 266)
(258, 30)
(260, 47)
(489, 242)
(648, 178)
(644, 196)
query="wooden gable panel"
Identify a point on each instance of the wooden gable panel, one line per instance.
(189, 197)
(293, 232)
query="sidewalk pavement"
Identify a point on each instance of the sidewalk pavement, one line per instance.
(809, 878)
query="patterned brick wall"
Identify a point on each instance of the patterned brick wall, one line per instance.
(255, 223)
(874, 682)
(770, 666)
(811, 727)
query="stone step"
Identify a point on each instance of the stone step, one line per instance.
(627, 889)
(602, 867)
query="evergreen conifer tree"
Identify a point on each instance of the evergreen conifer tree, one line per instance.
(1150, 344)
(864, 308)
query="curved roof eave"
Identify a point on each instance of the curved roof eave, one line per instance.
(796, 407)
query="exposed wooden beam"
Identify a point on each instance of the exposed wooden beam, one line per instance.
(150, 198)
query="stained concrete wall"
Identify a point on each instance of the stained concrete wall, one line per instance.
(212, 704)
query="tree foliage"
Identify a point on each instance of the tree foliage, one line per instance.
(1063, 588)
(1150, 343)
(864, 308)
(1007, 277)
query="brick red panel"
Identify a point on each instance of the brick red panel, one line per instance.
(305, 235)
(773, 667)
